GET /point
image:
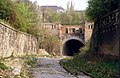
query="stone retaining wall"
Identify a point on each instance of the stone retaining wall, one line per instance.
(105, 37)
(16, 42)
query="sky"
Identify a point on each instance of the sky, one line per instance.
(78, 4)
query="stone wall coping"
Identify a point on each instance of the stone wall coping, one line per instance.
(9, 27)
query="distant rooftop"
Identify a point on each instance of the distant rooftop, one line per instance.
(79, 10)
(52, 7)
(56, 8)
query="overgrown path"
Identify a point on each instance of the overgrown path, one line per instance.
(50, 68)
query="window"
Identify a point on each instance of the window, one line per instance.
(80, 29)
(52, 26)
(92, 26)
(66, 30)
(89, 26)
(73, 30)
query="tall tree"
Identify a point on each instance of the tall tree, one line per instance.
(7, 11)
(24, 17)
(36, 27)
(72, 17)
(98, 8)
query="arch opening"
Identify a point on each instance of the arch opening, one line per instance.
(71, 46)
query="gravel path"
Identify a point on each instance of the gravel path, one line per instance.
(50, 68)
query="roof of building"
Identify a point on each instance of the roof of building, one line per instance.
(52, 7)
(79, 11)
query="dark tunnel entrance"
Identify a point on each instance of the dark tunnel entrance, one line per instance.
(71, 46)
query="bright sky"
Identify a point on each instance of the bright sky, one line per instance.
(78, 4)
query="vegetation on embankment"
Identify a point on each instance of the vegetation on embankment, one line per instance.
(6, 69)
(21, 14)
(95, 66)
(97, 69)
(99, 8)
(17, 67)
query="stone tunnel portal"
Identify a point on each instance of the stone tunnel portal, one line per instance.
(71, 46)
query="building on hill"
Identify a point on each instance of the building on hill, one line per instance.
(53, 8)
(47, 10)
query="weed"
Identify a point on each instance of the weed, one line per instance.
(31, 61)
(97, 69)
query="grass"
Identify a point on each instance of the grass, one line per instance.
(97, 69)
(3, 66)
